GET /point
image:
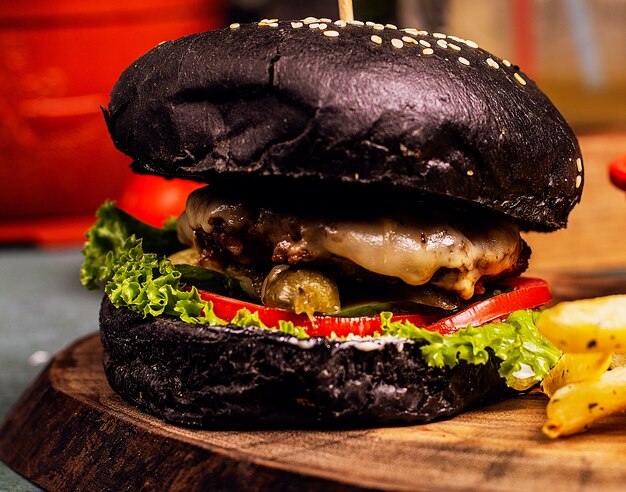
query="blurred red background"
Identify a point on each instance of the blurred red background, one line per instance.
(58, 64)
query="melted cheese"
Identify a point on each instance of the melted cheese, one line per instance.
(414, 250)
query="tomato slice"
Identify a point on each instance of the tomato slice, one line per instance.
(526, 293)
(227, 307)
(617, 172)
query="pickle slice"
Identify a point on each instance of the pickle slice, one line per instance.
(301, 291)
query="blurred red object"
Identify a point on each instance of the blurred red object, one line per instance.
(617, 172)
(153, 199)
(58, 64)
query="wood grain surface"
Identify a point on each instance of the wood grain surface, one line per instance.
(71, 432)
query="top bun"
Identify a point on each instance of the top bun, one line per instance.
(350, 106)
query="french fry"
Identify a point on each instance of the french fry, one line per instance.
(573, 408)
(618, 360)
(573, 368)
(589, 325)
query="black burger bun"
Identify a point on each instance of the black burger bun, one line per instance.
(401, 113)
(220, 377)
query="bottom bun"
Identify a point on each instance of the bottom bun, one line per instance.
(228, 376)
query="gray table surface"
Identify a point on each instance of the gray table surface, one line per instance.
(43, 308)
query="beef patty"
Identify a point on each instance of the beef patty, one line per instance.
(452, 253)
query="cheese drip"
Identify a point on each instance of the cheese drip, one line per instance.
(417, 250)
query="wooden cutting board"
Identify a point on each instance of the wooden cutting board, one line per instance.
(69, 431)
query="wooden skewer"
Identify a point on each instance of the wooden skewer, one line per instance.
(346, 11)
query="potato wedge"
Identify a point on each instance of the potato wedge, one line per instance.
(618, 360)
(589, 325)
(573, 408)
(573, 368)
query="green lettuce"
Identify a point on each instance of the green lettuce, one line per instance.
(151, 286)
(109, 234)
(112, 228)
(130, 259)
(526, 356)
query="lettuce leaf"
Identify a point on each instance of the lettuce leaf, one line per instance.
(212, 281)
(526, 356)
(111, 230)
(108, 234)
(150, 285)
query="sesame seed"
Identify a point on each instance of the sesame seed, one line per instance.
(422, 33)
(506, 63)
(457, 39)
(391, 26)
(378, 27)
(579, 165)
(439, 35)
(376, 39)
(235, 25)
(519, 78)
(269, 22)
(579, 181)
(423, 42)
(409, 39)
(356, 23)
(323, 26)
(296, 25)
(396, 43)
(310, 20)
(326, 20)
(454, 47)
(331, 34)
(315, 25)
(492, 63)
(442, 43)
(470, 173)
(410, 30)
(370, 23)
(464, 61)
(471, 43)
(427, 51)
(341, 23)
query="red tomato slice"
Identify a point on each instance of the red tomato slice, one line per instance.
(527, 293)
(227, 307)
(617, 172)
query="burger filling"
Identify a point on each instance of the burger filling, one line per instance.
(398, 255)
(133, 261)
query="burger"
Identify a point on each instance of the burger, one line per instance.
(355, 255)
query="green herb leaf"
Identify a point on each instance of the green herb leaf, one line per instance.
(113, 226)
(526, 357)
(369, 309)
(212, 281)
